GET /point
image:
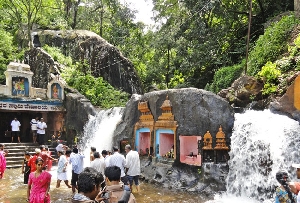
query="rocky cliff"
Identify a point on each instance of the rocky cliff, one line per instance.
(102, 58)
(78, 107)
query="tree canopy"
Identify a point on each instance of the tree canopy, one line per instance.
(194, 39)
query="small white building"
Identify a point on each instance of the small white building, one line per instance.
(19, 99)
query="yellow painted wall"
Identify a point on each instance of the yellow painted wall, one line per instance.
(297, 93)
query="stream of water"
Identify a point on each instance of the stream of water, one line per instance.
(12, 190)
(261, 144)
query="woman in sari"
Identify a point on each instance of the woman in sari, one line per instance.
(39, 184)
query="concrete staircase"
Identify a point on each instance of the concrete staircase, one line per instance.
(15, 156)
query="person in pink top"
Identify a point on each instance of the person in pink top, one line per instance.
(2, 160)
(39, 184)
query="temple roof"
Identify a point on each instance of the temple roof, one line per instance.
(220, 134)
(166, 104)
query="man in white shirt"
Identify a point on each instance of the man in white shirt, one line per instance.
(98, 163)
(118, 159)
(41, 126)
(15, 129)
(76, 160)
(133, 167)
(106, 157)
(33, 124)
(62, 168)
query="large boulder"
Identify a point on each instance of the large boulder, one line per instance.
(243, 91)
(289, 103)
(42, 65)
(196, 112)
(98, 56)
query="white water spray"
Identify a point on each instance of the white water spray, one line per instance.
(98, 132)
(262, 143)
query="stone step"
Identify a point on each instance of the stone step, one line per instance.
(21, 144)
(14, 161)
(15, 156)
(14, 166)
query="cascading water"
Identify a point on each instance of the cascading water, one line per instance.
(261, 144)
(98, 132)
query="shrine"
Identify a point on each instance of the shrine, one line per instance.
(190, 150)
(19, 99)
(143, 129)
(165, 132)
(221, 149)
(208, 151)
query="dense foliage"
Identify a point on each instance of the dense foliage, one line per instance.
(269, 74)
(225, 76)
(6, 52)
(194, 43)
(98, 91)
(272, 44)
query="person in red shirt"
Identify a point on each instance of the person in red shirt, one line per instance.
(45, 155)
(31, 162)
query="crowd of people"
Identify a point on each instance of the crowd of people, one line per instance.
(108, 178)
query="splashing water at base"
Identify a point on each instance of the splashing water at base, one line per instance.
(98, 132)
(261, 144)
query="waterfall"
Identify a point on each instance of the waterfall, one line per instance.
(98, 132)
(261, 144)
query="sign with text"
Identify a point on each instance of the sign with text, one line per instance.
(29, 107)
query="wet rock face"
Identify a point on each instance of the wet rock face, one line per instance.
(208, 180)
(78, 109)
(101, 58)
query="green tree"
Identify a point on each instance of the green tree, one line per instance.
(208, 35)
(23, 11)
(7, 50)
